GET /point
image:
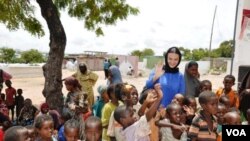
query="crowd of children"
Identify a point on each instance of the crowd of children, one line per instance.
(120, 113)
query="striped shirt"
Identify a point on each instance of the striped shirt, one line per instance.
(199, 129)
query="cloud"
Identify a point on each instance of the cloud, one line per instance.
(159, 25)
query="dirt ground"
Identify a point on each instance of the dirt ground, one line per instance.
(30, 79)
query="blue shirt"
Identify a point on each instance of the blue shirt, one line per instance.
(61, 136)
(171, 84)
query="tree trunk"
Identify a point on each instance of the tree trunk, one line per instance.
(52, 70)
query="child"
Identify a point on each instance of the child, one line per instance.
(225, 100)
(44, 127)
(232, 118)
(108, 109)
(205, 85)
(146, 104)
(45, 110)
(129, 96)
(4, 112)
(93, 129)
(16, 133)
(138, 130)
(31, 132)
(173, 113)
(10, 97)
(27, 113)
(67, 114)
(204, 124)
(228, 91)
(19, 101)
(190, 108)
(244, 103)
(103, 98)
(220, 113)
(178, 98)
(71, 130)
(74, 88)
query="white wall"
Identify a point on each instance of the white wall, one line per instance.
(242, 48)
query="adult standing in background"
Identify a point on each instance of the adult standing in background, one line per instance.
(106, 68)
(192, 79)
(168, 75)
(87, 80)
(117, 62)
(114, 75)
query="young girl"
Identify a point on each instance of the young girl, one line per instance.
(103, 99)
(44, 127)
(74, 88)
(191, 79)
(108, 109)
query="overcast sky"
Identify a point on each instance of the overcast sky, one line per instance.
(159, 25)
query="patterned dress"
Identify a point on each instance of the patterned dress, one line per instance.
(87, 82)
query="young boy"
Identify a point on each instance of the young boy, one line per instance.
(93, 129)
(204, 124)
(71, 130)
(173, 115)
(205, 85)
(10, 97)
(220, 113)
(232, 118)
(137, 130)
(228, 91)
(19, 101)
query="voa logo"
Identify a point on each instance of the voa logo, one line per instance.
(236, 132)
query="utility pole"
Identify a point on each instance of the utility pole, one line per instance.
(211, 37)
(233, 46)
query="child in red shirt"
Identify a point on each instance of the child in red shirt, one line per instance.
(10, 97)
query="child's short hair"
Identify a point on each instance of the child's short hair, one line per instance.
(40, 119)
(187, 100)
(19, 91)
(91, 120)
(203, 82)
(230, 76)
(223, 99)
(171, 106)
(143, 95)
(13, 133)
(67, 114)
(110, 90)
(72, 123)
(205, 96)
(8, 82)
(120, 113)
